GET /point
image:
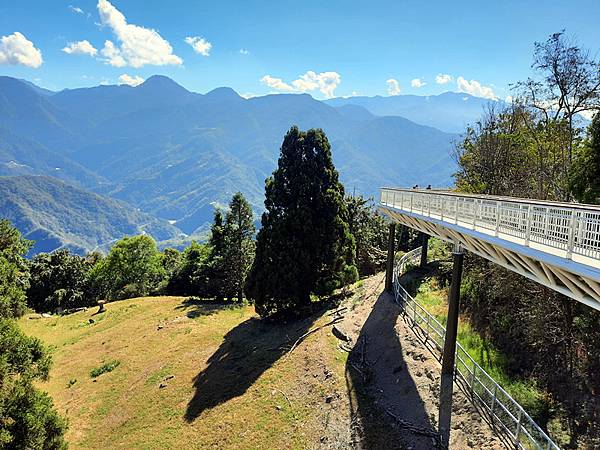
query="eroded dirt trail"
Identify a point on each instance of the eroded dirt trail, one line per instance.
(390, 370)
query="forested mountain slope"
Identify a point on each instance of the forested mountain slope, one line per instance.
(55, 214)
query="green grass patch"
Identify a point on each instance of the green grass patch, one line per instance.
(104, 368)
(159, 375)
(434, 299)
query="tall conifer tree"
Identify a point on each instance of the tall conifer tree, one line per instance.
(239, 251)
(304, 245)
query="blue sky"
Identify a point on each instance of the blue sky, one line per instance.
(326, 48)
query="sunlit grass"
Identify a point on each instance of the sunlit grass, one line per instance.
(433, 298)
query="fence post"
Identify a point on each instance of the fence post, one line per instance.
(528, 225)
(389, 271)
(443, 208)
(493, 405)
(497, 216)
(445, 413)
(571, 241)
(456, 211)
(518, 430)
(473, 376)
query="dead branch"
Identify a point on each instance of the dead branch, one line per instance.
(423, 431)
(283, 393)
(314, 330)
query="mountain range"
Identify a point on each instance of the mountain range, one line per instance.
(174, 155)
(451, 112)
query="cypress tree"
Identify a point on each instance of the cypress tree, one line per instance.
(216, 278)
(304, 245)
(239, 251)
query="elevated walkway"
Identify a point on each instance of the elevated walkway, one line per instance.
(555, 244)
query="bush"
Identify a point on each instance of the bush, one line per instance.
(104, 368)
(27, 416)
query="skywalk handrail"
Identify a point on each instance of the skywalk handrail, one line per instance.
(571, 228)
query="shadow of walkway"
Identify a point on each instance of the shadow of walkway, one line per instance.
(378, 374)
(246, 352)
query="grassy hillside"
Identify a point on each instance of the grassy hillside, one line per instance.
(226, 380)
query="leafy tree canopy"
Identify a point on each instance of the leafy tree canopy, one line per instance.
(132, 268)
(13, 270)
(59, 280)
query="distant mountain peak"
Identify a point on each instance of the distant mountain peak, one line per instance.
(223, 93)
(160, 81)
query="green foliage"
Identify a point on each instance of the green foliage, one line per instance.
(304, 245)
(533, 148)
(13, 270)
(190, 277)
(104, 368)
(215, 273)
(217, 269)
(27, 417)
(59, 280)
(132, 268)
(239, 246)
(370, 233)
(584, 177)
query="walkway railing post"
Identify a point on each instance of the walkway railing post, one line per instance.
(389, 270)
(445, 413)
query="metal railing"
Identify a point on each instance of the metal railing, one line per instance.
(503, 412)
(571, 228)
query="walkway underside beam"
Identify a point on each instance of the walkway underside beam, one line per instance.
(567, 277)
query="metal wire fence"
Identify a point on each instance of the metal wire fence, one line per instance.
(505, 415)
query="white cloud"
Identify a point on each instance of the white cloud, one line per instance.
(137, 46)
(588, 115)
(131, 81)
(199, 44)
(417, 83)
(16, 49)
(243, 51)
(80, 48)
(325, 82)
(276, 83)
(443, 78)
(393, 87)
(509, 99)
(475, 88)
(75, 9)
(113, 55)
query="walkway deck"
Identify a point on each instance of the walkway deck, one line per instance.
(556, 244)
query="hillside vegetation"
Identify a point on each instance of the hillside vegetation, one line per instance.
(189, 374)
(55, 214)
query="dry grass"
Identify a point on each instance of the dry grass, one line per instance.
(191, 375)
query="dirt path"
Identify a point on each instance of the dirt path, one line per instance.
(389, 366)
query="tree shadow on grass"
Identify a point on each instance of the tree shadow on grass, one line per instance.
(198, 307)
(246, 352)
(378, 374)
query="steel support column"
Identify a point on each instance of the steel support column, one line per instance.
(445, 412)
(424, 242)
(389, 269)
